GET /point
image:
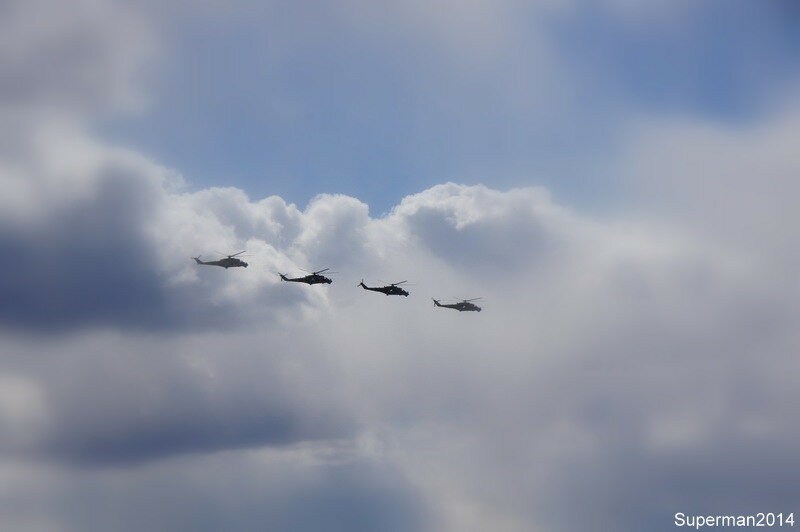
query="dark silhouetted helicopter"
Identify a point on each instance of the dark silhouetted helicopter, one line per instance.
(312, 278)
(461, 306)
(390, 290)
(228, 262)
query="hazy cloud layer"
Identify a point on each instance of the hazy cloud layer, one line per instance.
(62, 62)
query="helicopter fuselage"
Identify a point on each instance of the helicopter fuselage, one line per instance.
(308, 279)
(224, 263)
(461, 306)
(390, 290)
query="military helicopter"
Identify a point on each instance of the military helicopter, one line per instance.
(461, 306)
(228, 262)
(312, 278)
(390, 290)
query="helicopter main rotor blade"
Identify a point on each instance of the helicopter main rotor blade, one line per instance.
(398, 284)
(231, 256)
(320, 271)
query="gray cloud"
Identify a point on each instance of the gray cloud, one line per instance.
(304, 488)
(623, 363)
(625, 353)
(100, 399)
(84, 262)
(69, 60)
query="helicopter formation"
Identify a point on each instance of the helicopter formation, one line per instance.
(316, 277)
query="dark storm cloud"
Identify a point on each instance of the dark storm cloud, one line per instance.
(85, 262)
(251, 490)
(190, 421)
(115, 401)
(364, 497)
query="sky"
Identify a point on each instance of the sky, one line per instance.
(615, 179)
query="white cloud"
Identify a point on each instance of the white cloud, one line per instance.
(736, 181)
